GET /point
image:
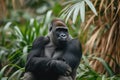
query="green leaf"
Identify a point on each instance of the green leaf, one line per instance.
(103, 77)
(65, 9)
(18, 32)
(48, 17)
(16, 74)
(82, 11)
(76, 11)
(69, 13)
(89, 3)
(2, 71)
(4, 78)
(7, 25)
(86, 60)
(107, 67)
(46, 21)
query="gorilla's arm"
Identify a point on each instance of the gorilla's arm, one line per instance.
(73, 55)
(36, 63)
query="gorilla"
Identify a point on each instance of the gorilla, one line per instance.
(55, 56)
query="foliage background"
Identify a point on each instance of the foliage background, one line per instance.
(95, 22)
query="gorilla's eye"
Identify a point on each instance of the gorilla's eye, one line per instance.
(62, 30)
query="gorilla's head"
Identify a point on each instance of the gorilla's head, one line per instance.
(59, 32)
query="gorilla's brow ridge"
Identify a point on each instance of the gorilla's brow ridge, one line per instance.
(59, 23)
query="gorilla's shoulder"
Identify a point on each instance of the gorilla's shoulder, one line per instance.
(74, 42)
(74, 46)
(41, 41)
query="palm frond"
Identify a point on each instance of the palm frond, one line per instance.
(76, 8)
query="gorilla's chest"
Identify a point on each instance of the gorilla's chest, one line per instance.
(51, 52)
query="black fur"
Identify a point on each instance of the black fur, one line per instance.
(44, 68)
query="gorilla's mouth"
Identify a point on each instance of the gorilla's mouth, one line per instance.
(62, 39)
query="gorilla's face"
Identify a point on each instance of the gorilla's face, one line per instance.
(60, 35)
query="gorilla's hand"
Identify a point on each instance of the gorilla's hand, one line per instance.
(61, 67)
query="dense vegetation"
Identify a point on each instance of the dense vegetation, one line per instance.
(96, 23)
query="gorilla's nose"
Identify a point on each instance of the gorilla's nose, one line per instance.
(63, 35)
